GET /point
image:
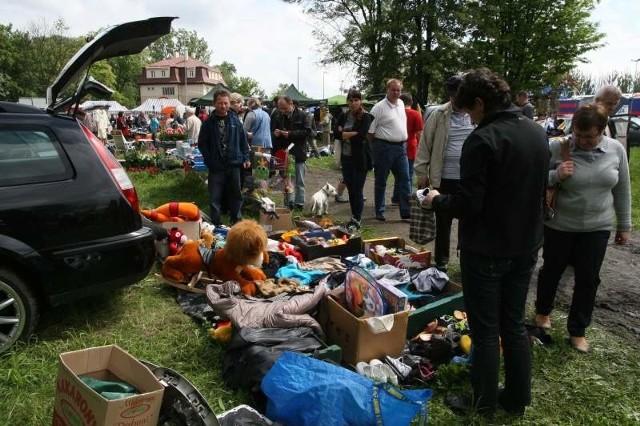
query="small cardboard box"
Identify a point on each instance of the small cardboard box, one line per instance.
(310, 251)
(190, 228)
(358, 340)
(414, 259)
(452, 299)
(282, 223)
(77, 404)
(395, 299)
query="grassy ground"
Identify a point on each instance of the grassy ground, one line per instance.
(568, 388)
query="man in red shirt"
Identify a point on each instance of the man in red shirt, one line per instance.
(414, 130)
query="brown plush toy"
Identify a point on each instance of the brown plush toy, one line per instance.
(240, 260)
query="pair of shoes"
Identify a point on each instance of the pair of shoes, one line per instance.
(378, 371)
(354, 225)
(464, 405)
(405, 218)
(442, 267)
(543, 321)
(510, 408)
(380, 217)
(402, 370)
(341, 198)
(395, 203)
(580, 344)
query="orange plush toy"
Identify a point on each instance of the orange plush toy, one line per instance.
(173, 212)
(240, 260)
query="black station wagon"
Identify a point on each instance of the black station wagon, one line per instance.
(69, 220)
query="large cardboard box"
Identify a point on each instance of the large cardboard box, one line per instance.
(411, 258)
(361, 339)
(77, 404)
(282, 223)
(190, 228)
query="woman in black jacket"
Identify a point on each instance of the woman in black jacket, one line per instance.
(499, 201)
(351, 130)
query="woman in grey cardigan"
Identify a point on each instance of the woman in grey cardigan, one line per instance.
(594, 184)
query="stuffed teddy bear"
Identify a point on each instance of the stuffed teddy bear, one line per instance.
(240, 259)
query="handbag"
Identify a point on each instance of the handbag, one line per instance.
(551, 194)
(422, 223)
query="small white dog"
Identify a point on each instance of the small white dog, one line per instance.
(321, 199)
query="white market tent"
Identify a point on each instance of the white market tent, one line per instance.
(114, 107)
(157, 104)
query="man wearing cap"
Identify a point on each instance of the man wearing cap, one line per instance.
(438, 161)
(388, 132)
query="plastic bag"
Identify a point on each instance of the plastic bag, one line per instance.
(306, 391)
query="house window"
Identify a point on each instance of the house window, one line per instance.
(191, 73)
(164, 73)
(152, 74)
(169, 91)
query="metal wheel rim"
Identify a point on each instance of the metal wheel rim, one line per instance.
(13, 316)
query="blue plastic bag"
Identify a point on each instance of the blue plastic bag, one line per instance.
(306, 391)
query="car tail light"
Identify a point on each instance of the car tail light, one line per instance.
(118, 172)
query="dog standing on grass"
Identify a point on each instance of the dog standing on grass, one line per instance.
(321, 199)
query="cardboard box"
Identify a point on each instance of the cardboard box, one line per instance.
(310, 251)
(190, 228)
(415, 258)
(359, 342)
(452, 300)
(282, 223)
(77, 404)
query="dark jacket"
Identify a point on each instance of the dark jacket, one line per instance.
(503, 177)
(237, 147)
(299, 127)
(360, 148)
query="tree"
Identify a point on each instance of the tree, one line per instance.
(180, 41)
(532, 44)
(244, 85)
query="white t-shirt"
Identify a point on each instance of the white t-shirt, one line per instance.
(389, 121)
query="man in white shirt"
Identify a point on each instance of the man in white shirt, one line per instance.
(192, 125)
(388, 133)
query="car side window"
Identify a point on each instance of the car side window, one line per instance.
(31, 154)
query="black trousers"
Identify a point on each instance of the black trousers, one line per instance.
(495, 293)
(586, 250)
(443, 225)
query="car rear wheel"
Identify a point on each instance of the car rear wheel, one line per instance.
(18, 309)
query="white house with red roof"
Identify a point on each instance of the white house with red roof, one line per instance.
(181, 77)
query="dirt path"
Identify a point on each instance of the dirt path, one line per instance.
(617, 303)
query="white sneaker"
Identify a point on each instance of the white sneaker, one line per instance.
(342, 198)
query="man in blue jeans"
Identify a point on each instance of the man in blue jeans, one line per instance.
(499, 202)
(388, 132)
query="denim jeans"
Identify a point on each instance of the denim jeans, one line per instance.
(225, 180)
(495, 293)
(586, 250)
(354, 179)
(392, 158)
(299, 184)
(394, 197)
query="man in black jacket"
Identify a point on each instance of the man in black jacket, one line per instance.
(223, 144)
(290, 125)
(499, 201)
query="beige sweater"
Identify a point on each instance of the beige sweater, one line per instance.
(431, 147)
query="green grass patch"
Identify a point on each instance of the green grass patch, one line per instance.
(144, 319)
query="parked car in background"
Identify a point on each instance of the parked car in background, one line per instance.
(69, 220)
(633, 133)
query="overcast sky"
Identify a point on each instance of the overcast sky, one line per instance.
(264, 38)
